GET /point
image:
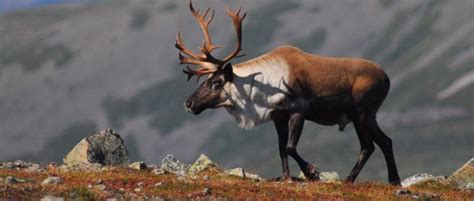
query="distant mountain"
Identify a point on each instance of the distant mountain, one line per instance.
(69, 70)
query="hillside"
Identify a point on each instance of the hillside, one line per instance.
(69, 70)
(20, 180)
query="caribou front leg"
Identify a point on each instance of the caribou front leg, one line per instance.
(295, 125)
(281, 124)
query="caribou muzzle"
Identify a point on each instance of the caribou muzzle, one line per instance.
(193, 107)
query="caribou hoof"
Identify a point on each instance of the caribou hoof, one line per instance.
(285, 178)
(395, 182)
(311, 172)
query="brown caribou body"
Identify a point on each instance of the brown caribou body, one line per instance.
(289, 86)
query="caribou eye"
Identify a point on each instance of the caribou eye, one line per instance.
(216, 85)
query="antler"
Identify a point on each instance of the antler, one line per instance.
(209, 64)
(237, 20)
(207, 45)
(207, 67)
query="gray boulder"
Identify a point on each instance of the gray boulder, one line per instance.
(417, 196)
(139, 165)
(18, 165)
(51, 198)
(201, 164)
(158, 171)
(419, 178)
(327, 177)
(240, 172)
(463, 178)
(171, 164)
(470, 186)
(105, 148)
(10, 180)
(51, 181)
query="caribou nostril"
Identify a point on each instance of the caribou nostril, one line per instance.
(189, 104)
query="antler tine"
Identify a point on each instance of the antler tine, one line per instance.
(212, 16)
(205, 13)
(188, 73)
(180, 46)
(237, 21)
(187, 60)
(207, 46)
(199, 72)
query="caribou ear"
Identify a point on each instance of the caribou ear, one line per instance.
(228, 72)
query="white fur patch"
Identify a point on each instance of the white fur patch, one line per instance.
(257, 88)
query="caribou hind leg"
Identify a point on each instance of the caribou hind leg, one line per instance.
(368, 133)
(385, 143)
(364, 131)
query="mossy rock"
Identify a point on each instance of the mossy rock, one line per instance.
(464, 175)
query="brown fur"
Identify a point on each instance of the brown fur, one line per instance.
(334, 86)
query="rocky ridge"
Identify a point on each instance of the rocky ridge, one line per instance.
(102, 160)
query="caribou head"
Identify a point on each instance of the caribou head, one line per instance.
(210, 94)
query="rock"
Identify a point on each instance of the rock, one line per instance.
(101, 187)
(206, 191)
(20, 164)
(417, 196)
(82, 167)
(171, 164)
(140, 184)
(51, 181)
(64, 168)
(428, 196)
(327, 177)
(139, 165)
(470, 186)
(418, 178)
(105, 148)
(10, 180)
(52, 165)
(253, 177)
(463, 176)
(158, 171)
(99, 181)
(201, 164)
(137, 190)
(240, 172)
(152, 166)
(51, 198)
(206, 177)
(158, 184)
(403, 192)
(157, 198)
(17, 165)
(33, 168)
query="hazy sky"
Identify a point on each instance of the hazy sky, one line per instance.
(7, 5)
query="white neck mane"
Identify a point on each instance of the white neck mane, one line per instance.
(258, 87)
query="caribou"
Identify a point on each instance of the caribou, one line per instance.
(289, 86)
